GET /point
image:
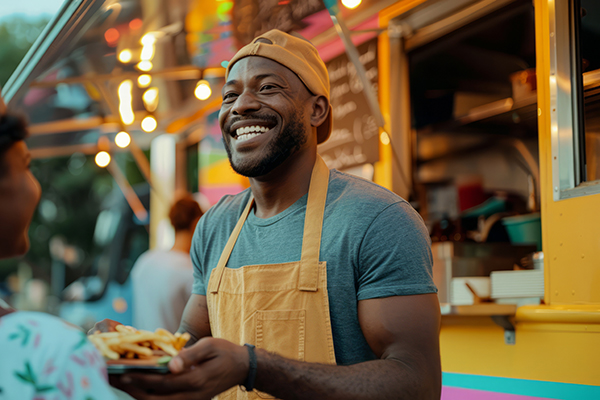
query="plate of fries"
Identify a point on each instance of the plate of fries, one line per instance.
(129, 349)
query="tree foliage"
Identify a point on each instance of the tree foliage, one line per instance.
(16, 37)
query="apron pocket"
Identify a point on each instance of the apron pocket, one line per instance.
(281, 332)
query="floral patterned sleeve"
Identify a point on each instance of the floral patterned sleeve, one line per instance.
(43, 358)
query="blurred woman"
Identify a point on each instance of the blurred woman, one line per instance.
(42, 356)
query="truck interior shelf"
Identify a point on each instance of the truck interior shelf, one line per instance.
(500, 117)
(479, 310)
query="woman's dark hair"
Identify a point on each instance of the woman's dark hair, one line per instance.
(184, 212)
(13, 128)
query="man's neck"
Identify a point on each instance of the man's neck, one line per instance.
(282, 187)
(183, 241)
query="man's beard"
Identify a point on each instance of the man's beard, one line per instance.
(279, 148)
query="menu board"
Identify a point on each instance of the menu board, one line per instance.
(355, 137)
(254, 17)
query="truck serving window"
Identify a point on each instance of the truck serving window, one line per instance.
(585, 31)
(575, 97)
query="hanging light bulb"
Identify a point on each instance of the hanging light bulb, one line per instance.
(122, 139)
(149, 124)
(351, 4)
(144, 65)
(147, 52)
(125, 99)
(385, 138)
(150, 98)
(148, 39)
(144, 80)
(125, 56)
(102, 159)
(202, 90)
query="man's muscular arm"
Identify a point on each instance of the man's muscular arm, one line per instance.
(195, 319)
(403, 331)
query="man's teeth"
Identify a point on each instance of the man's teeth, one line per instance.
(248, 132)
(247, 136)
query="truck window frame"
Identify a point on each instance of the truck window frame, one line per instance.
(566, 105)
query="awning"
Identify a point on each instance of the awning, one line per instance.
(68, 83)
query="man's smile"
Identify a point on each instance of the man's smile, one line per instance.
(249, 132)
(244, 130)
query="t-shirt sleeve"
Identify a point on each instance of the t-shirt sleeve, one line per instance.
(395, 255)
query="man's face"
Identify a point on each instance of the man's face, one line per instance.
(265, 115)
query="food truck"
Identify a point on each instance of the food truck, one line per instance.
(482, 113)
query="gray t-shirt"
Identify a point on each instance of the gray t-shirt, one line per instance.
(375, 245)
(162, 284)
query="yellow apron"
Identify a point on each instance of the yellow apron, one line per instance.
(282, 308)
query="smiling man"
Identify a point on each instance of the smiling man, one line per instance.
(312, 284)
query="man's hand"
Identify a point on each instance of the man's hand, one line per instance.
(106, 325)
(202, 371)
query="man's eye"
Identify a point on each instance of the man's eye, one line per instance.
(229, 96)
(268, 87)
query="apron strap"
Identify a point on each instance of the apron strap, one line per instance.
(308, 279)
(313, 227)
(214, 284)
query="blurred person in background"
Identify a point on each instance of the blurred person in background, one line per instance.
(42, 356)
(162, 280)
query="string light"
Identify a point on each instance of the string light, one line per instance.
(122, 139)
(385, 138)
(150, 98)
(125, 56)
(351, 4)
(144, 80)
(148, 39)
(125, 99)
(147, 52)
(202, 90)
(144, 65)
(102, 159)
(149, 124)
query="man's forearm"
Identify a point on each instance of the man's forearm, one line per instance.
(378, 379)
(195, 335)
(195, 320)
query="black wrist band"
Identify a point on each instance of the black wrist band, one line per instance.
(249, 383)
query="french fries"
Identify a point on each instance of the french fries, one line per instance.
(128, 342)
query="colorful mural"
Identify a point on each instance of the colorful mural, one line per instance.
(216, 176)
(209, 32)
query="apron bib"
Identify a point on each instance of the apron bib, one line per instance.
(282, 308)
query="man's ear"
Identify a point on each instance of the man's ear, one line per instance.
(319, 111)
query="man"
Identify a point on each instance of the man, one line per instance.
(162, 280)
(313, 284)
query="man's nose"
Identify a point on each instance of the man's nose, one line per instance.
(245, 103)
